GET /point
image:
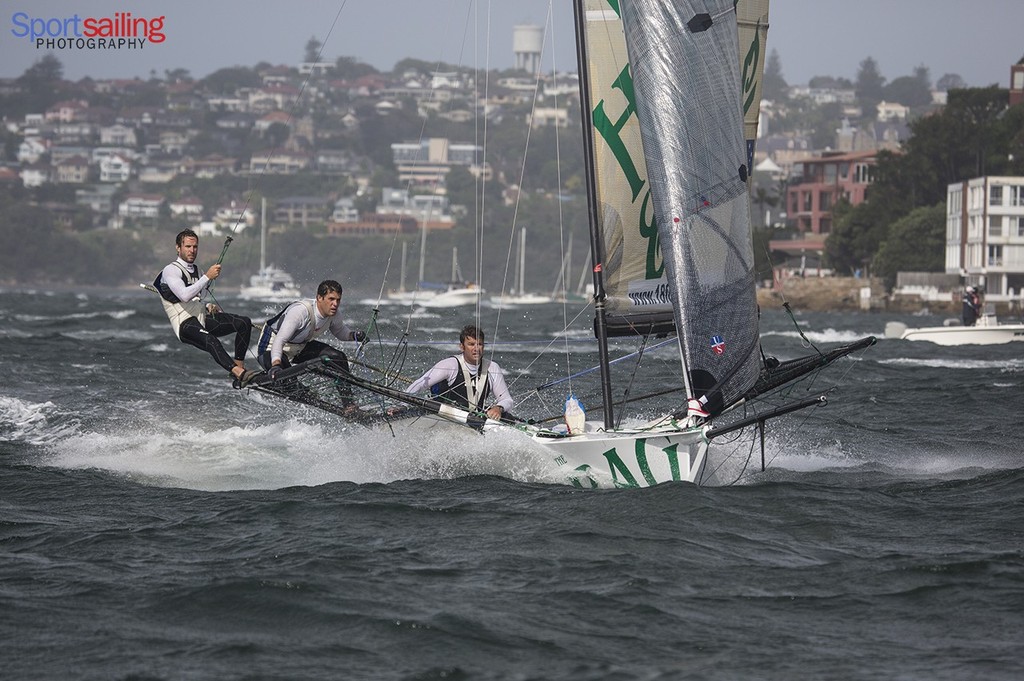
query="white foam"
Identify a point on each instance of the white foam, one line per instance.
(823, 336)
(107, 334)
(113, 314)
(788, 452)
(294, 452)
(1003, 365)
(29, 422)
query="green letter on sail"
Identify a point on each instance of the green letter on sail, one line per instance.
(610, 131)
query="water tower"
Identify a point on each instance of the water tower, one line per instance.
(527, 41)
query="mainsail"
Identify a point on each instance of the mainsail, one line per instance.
(637, 298)
(686, 79)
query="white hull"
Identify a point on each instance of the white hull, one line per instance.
(600, 459)
(405, 297)
(271, 296)
(983, 334)
(457, 296)
(524, 299)
(453, 297)
(597, 459)
(271, 284)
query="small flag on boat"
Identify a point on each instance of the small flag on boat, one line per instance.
(717, 345)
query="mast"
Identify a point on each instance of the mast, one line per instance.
(423, 250)
(401, 279)
(522, 261)
(596, 247)
(263, 234)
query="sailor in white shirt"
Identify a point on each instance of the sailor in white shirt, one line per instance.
(195, 321)
(468, 380)
(288, 337)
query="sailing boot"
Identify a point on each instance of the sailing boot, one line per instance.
(239, 382)
(696, 414)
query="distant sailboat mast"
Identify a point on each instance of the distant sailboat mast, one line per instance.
(401, 277)
(263, 234)
(423, 252)
(522, 262)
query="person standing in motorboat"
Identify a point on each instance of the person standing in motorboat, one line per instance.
(467, 380)
(196, 322)
(288, 337)
(971, 308)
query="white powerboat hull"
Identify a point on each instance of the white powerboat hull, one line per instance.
(983, 334)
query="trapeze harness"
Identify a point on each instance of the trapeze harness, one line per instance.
(177, 310)
(466, 390)
(273, 325)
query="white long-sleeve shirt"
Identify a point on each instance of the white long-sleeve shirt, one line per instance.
(449, 368)
(297, 328)
(172, 277)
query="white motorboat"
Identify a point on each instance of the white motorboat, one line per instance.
(988, 331)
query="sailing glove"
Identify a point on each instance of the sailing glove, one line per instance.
(359, 336)
(274, 371)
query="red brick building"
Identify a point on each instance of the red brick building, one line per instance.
(825, 181)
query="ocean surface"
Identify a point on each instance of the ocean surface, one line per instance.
(156, 524)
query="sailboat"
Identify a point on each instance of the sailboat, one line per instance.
(455, 293)
(519, 296)
(270, 283)
(666, 154)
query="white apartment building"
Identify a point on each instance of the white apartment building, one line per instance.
(427, 162)
(985, 235)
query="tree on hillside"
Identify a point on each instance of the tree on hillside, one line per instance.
(950, 81)
(350, 68)
(1011, 138)
(762, 198)
(916, 243)
(870, 85)
(773, 85)
(229, 80)
(46, 70)
(177, 75)
(913, 91)
(39, 85)
(823, 121)
(378, 131)
(277, 134)
(829, 83)
(312, 53)
(422, 67)
(856, 234)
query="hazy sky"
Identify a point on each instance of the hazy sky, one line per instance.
(977, 39)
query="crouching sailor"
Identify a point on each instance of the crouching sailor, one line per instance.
(467, 380)
(195, 322)
(288, 337)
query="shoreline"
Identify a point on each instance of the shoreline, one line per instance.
(824, 294)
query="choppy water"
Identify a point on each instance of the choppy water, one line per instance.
(155, 524)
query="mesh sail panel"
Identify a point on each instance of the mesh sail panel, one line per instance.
(686, 78)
